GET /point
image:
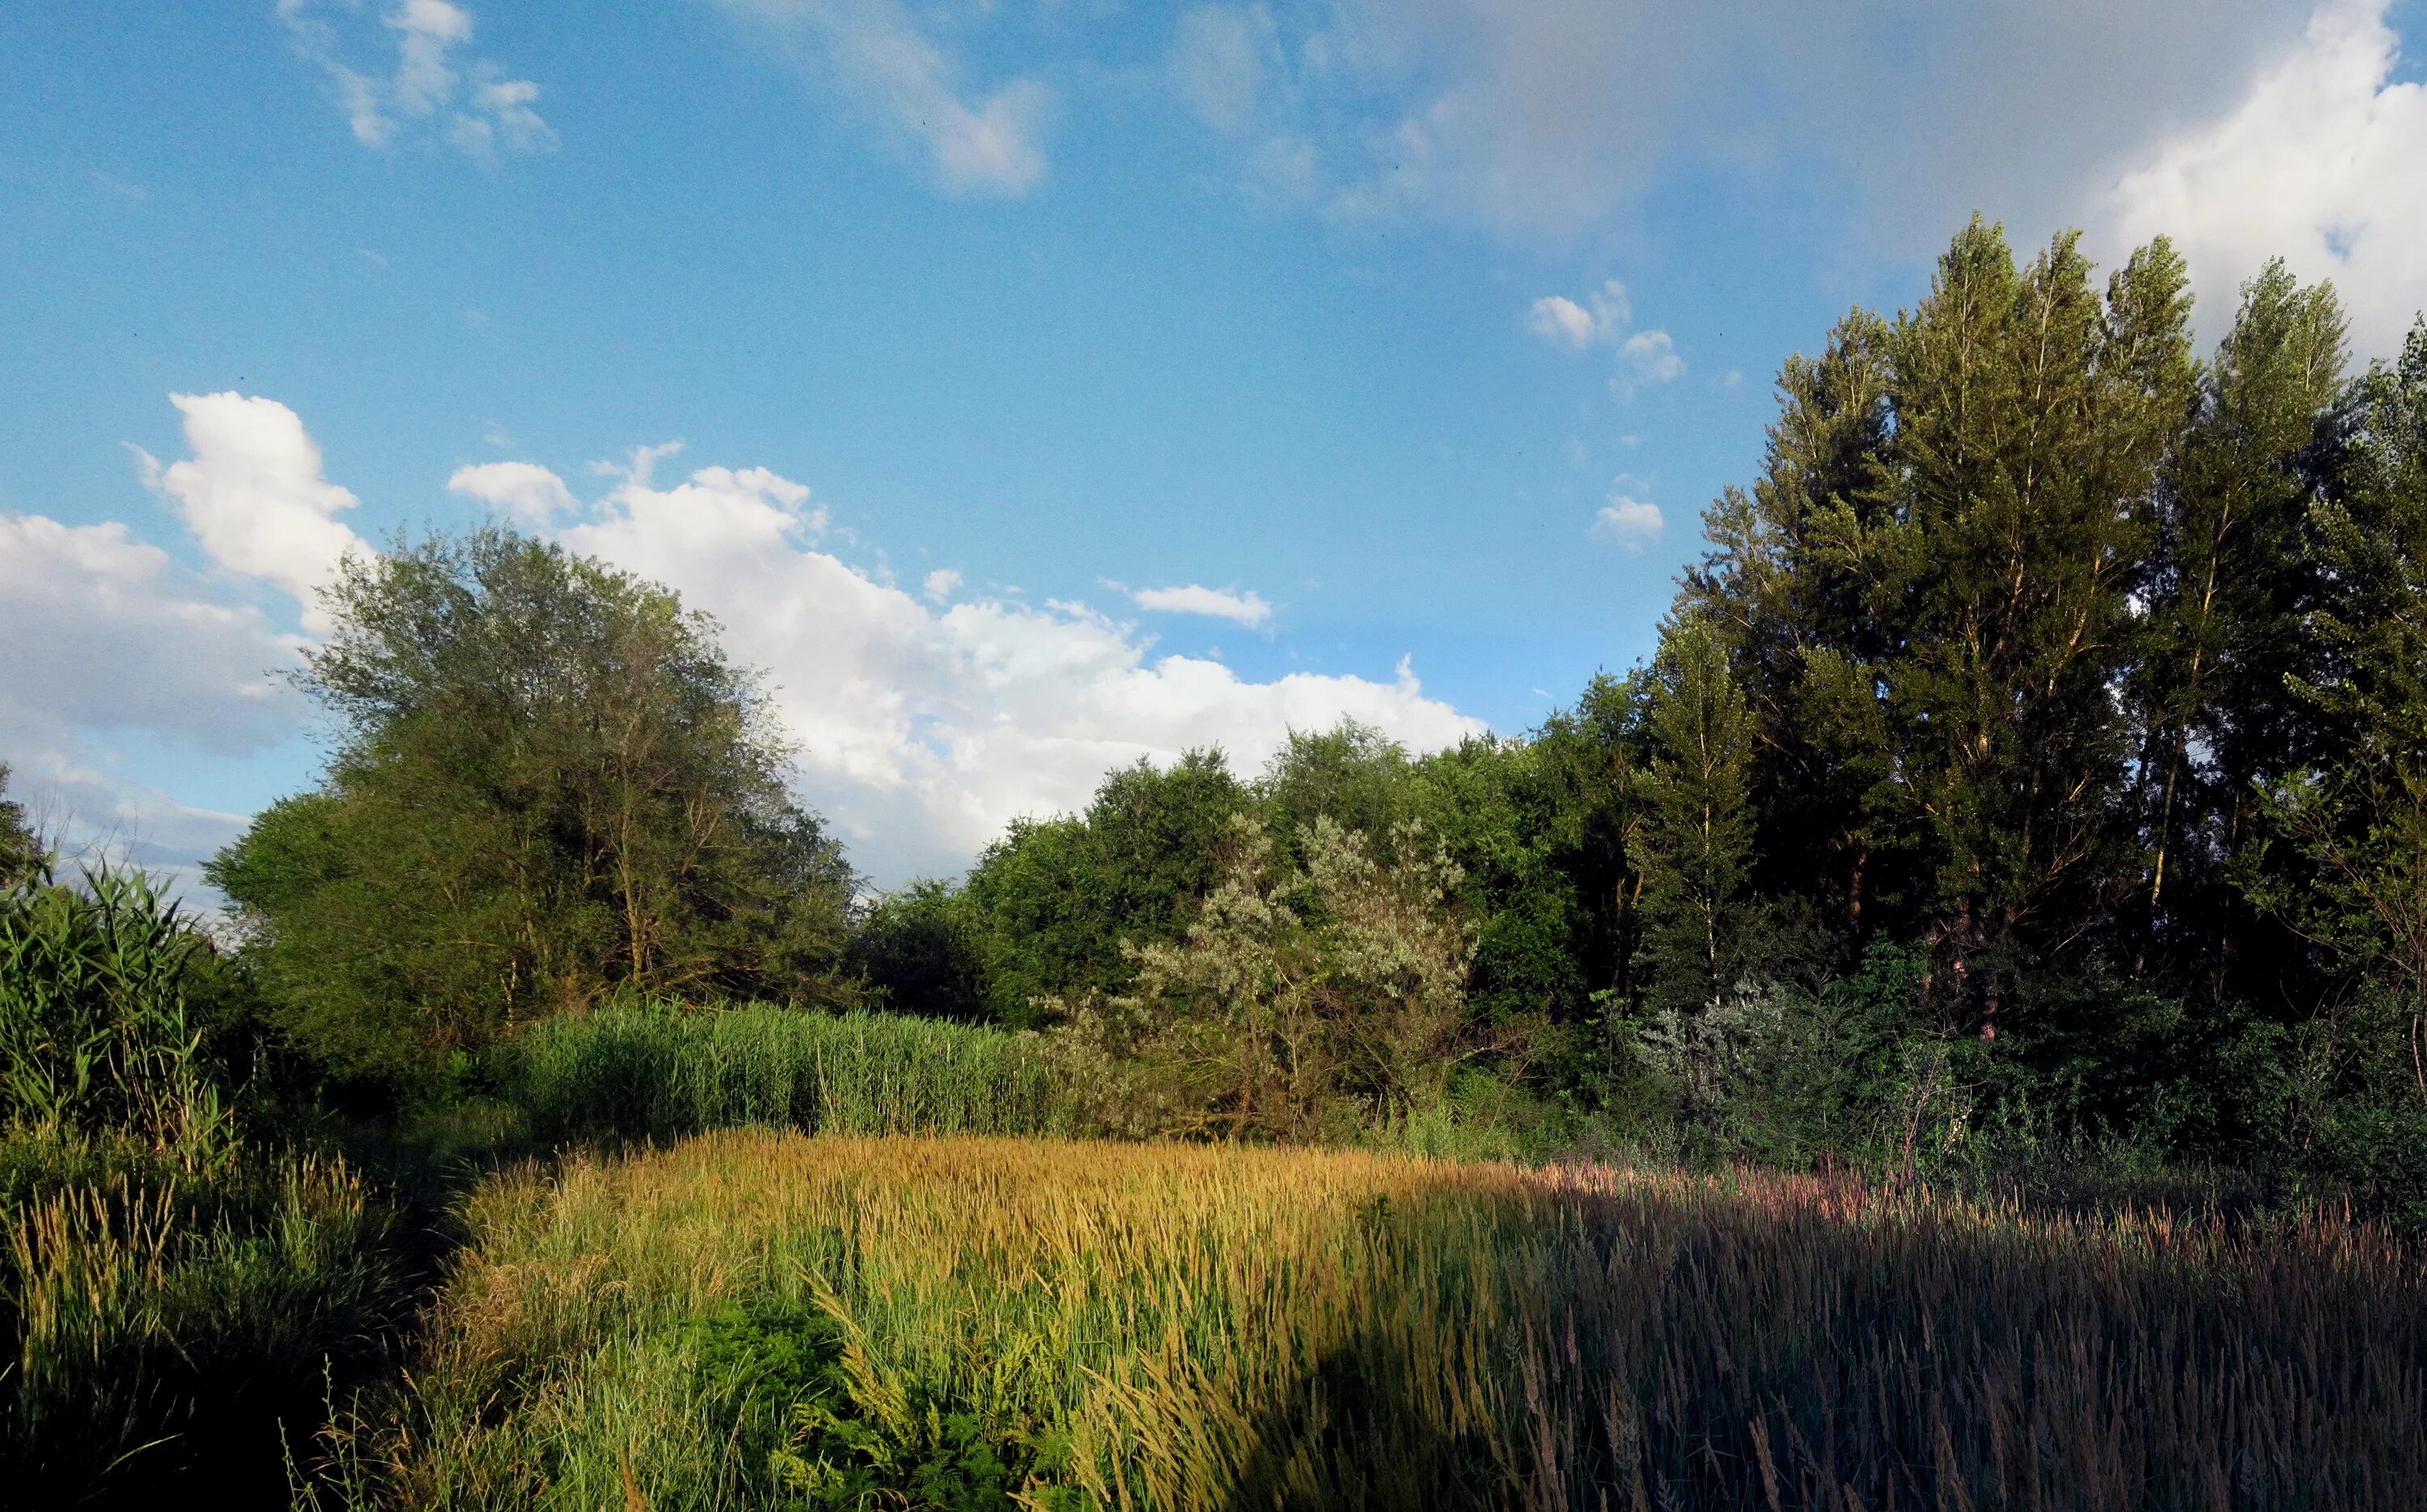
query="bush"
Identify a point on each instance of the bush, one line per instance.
(1303, 1004)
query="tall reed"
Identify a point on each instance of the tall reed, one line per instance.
(95, 1031)
(1210, 1327)
(657, 1071)
(165, 1292)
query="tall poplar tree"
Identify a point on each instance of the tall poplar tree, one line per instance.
(1695, 844)
(1931, 592)
(2232, 577)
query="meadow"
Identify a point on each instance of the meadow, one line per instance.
(755, 1318)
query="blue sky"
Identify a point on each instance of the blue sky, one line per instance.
(1056, 382)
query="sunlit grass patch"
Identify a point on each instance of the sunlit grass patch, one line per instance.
(1203, 1326)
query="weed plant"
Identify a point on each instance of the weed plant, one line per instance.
(754, 1319)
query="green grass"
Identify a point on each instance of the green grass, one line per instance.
(760, 1319)
(159, 1324)
(658, 1072)
(169, 1293)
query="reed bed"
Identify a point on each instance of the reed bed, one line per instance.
(1210, 1327)
(158, 1323)
(657, 1071)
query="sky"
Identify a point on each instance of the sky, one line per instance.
(1030, 387)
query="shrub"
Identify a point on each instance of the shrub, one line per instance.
(1302, 1003)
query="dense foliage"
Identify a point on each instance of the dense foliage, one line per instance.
(548, 784)
(2039, 754)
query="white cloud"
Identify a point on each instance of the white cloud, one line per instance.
(467, 103)
(2323, 161)
(1650, 357)
(1218, 63)
(924, 728)
(530, 494)
(101, 631)
(1632, 522)
(1222, 604)
(1601, 319)
(253, 495)
(102, 635)
(876, 53)
(1556, 319)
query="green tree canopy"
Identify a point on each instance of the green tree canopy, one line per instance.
(547, 783)
(1054, 900)
(21, 849)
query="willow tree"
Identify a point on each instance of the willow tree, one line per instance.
(548, 783)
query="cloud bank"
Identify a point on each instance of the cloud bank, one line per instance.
(102, 636)
(1548, 119)
(925, 726)
(2323, 162)
(926, 721)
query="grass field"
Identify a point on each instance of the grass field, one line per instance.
(754, 1319)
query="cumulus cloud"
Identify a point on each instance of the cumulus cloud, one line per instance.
(925, 727)
(254, 495)
(102, 635)
(530, 494)
(1601, 319)
(925, 721)
(430, 90)
(874, 53)
(1649, 357)
(1222, 604)
(1604, 312)
(1632, 523)
(2319, 163)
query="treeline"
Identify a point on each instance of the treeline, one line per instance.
(2038, 756)
(2040, 748)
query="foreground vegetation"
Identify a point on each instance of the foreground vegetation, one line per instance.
(758, 1320)
(170, 1288)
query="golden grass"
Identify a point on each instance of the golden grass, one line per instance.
(1217, 1327)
